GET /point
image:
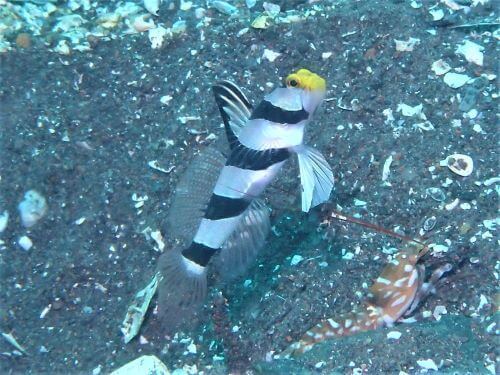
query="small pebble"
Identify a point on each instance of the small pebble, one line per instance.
(428, 364)
(296, 259)
(25, 242)
(192, 348)
(32, 208)
(394, 335)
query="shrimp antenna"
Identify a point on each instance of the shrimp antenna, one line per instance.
(339, 216)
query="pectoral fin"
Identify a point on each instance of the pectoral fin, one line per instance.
(316, 177)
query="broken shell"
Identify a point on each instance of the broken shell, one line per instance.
(455, 80)
(460, 164)
(140, 24)
(436, 194)
(152, 6)
(224, 7)
(440, 67)
(261, 22)
(158, 35)
(472, 52)
(429, 223)
(406, 45)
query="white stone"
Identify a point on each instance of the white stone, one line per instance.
(394, 335)
(270, 55)
(437, 14)
(455, 80)
(296, 259)
(32, 208)
(25, 242)
(158, 35)
(409, 111)
(472, 52)
(192, 348)
(428, 364)
(165, 99)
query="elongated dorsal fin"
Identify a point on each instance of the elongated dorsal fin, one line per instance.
(193, 193)
(234, 107)
(243, 245)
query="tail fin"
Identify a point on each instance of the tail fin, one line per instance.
(181, 290)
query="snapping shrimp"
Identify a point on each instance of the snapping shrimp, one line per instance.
(394, 294)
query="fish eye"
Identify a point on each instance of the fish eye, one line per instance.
(293, 83)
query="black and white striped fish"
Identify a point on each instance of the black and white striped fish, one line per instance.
(215, 210)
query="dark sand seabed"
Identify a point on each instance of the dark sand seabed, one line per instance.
(81, 129)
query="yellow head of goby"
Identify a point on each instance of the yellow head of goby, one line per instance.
(307, 80)
(311, 87)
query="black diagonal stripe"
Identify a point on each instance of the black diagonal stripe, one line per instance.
(267, 111)
(198, 253)
(220, 207)
(247, 158)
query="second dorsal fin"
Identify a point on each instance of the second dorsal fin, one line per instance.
(193, 193)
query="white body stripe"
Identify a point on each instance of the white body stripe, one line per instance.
(235, 182)
(288, 98)
(213, 233)
(260, 134)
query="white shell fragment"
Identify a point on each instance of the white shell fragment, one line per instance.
(270, 55)
(428, 364)
(438, 248)
(147, 364)
(25, 242)
(386, 169)
(137, 310)
(406, 45)
(158, 238)
(140, 23)
(472, 52)
(32, 208)
(4, 219)
(460, 164)
(440, 67)
(437, 14)
(438, 311)
(152, 6)
(156, 165)
(225, 7)
(455, 80)
(296, 259)
(165, 99)
(158, 35)
(395, 335)
(409, 111)
(12, 341)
